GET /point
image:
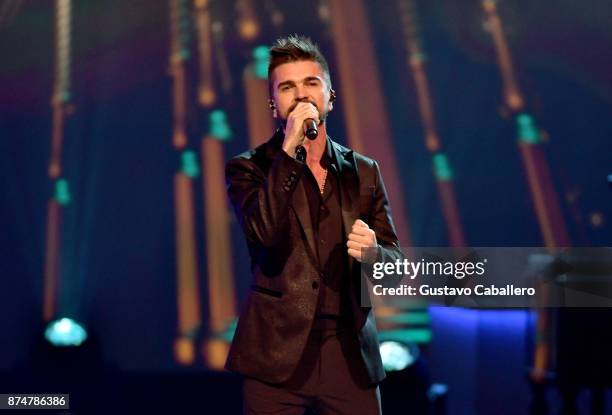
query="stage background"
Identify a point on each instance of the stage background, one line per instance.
(119, 243)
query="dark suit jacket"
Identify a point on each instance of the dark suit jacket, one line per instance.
(269, 199)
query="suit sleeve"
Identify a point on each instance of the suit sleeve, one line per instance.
(382, 223)
(261, 201)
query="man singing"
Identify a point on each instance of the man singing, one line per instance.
(308, 207)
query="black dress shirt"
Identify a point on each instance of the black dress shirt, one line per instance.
(326, 216)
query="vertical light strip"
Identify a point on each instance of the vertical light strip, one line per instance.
(59, 102)
(220, 277)
(179, 102)
(221, 57)
(187, 270)
(61, 90)
(188, 293)
(248, 27)
(178, 55)
(529, 163)
(544, 197)
(360, 93)
(52, 266)
(206, 92)
(450, 211)
(512, 94)
(366, 118)
(221, 291)
(255, 81)
(442, 170)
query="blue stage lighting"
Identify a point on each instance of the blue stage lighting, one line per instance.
(65, 332)
(397, 356)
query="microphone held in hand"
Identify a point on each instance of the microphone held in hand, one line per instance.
(310, 128)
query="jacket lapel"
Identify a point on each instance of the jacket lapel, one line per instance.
(299, 203)
(300, 207)
(349, 188)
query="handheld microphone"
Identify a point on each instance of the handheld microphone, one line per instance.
(310, 128)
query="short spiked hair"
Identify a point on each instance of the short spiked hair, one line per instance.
(296, 48)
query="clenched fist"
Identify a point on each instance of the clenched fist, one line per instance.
(361, 236)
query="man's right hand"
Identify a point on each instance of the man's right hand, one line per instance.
(294, 129)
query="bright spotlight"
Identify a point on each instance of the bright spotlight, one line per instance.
(397, 356)
(65, 332)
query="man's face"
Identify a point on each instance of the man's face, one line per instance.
(298, 81)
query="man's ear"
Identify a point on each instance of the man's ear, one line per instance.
(332, 98)
(272, 106)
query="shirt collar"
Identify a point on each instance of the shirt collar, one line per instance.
(329, 155)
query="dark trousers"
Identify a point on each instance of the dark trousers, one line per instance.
(329, 379)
